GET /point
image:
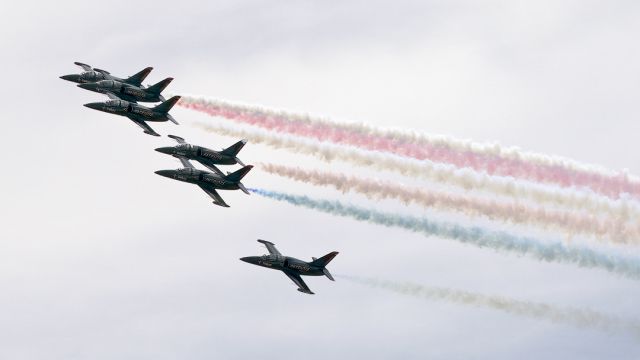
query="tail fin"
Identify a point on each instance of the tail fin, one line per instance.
(157, 88)
(323, 261)
(238, 175)
(234, 149)
(165, 106)
(138, 77)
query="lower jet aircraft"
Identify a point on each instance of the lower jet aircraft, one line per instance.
(208, 181)
(129, 92)
(292, 267)
(94, 74)
(137, 113)
(207, 157)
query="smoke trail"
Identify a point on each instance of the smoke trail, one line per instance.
(500, 241)
(510, 212)
(623, 210)
(582, 318)
(492, 159)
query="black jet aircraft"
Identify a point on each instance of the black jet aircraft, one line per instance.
(208, 181)
(207, 157)
(292, 267)
(129, 92)
(94, 74)
(137, 113)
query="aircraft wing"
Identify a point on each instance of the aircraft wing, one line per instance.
(214, 195)
(147, 128)
(177, 138)
(270, 246)
(84, 67)
(185, 162)
(111, 95)
(302, 287)
(214, 169)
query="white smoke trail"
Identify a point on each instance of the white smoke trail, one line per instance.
(513, 212)
(496, 240)
(622, 210)
(582, 318)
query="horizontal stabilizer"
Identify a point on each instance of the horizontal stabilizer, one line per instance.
(328, 274)
(244, 189)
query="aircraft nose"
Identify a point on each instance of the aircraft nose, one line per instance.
(88, 86)
(250, 259)
(95, 105)
(166, 150)
(166, 173)
(72, 77)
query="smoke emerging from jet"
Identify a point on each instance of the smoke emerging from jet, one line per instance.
(619, 210)
(491, 159)
(512, 212)
(582, 318)
(499, 241)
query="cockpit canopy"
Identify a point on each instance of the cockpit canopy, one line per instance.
(117, 103)
(107, 83)
(273, 258)
(183, 146)
(92, 76)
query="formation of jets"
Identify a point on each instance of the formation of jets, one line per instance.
(124, 95)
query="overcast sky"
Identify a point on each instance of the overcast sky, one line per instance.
(100, 258)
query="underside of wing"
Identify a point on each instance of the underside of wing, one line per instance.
(302, 287)
(177, 138)
(271, 247)
(214, 195)
(147, 128)
(185, 162)
(84, 67)
(213, 168)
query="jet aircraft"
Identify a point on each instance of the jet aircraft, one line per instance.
(94, 74)
(208, 181)
(207, 157)
(137, 113)
(128, 92)
(292, 267)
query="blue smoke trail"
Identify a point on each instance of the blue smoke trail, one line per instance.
(497, 240)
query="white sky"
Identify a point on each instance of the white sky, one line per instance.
(100, 258)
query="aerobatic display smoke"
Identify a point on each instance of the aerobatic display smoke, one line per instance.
(582, 318)
(589, 203)
(512, 212)
(491, 159)
(544, 251)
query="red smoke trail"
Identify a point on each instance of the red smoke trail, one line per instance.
(492, 160)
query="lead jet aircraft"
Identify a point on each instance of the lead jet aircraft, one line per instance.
(137, 113)
(129, 92)
(208, 181)
(207, 157)
(292, 267)
(94, 74)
